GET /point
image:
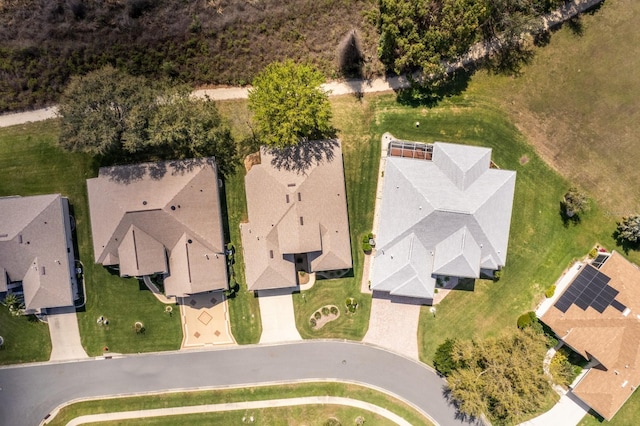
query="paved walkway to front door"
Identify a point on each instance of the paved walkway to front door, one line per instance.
(205, 320)
(278, 319)
(65, 334)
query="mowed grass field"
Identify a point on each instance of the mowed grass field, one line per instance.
(577, 104)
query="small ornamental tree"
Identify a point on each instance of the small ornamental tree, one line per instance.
(289, 106)
(574, 202)
(442, 360)
(629, 229)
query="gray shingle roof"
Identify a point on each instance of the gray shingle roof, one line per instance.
(455, 206)
(161, 218)
(36, 247)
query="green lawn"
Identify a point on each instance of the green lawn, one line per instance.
(361, 152)
(30, 163)
(180, 399)
(25, 339)
(311, 415)
(244, 309)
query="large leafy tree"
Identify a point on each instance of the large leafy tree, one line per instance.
(96, 110)
(629, 229)
(185, 127)
(288, 104)
(574, 202)
(501, 377)
(421, 34)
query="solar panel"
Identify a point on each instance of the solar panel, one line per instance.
(619, 306)
(589, 288)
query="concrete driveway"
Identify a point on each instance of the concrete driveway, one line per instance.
(568, 411)
(65, 335)
(278, 319)
(393, 324)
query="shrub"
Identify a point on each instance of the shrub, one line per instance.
(593, 253)
(312, 322)
(497, 275)
(370, 236)
(317, 315)
(550, 291)
(352, 304)
(325, 310)
(527, 320)
(366, 247)
(442, 360)
(365, 239)
(334, 310)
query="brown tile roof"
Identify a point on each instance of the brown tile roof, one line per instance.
(36, 247)
(161, 218)
(296, 210)
(612, 337)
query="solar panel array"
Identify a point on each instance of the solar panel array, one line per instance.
(589, 288)
(599, 261)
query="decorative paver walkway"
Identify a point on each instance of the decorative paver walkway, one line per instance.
(393, 324)
(205, 320)
(245, 405)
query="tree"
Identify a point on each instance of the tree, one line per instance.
(574, 202)
(180, 127)
(442, 361)
(501, 377)
(629, 229)
(96, 110)
(289, 106)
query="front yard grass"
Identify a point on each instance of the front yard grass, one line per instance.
(25, 339)
(30, 164)
(181, 399)
(361, 153)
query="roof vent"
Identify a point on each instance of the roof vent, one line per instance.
(173, 207)
(291, 185)
(299, 196)
(144, 203)
(19, 237)
(301, 220)
(287, 196)
(625, 383)
(43, 271)
(626, 312)
(271, 254)
(189, 240)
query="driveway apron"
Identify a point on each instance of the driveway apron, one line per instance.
(278, 319)
(65, 335)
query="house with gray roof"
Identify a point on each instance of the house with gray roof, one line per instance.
(444, 212)
(36, 251)
(297, 216)
(161, 218)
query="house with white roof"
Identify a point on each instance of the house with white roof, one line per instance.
(445, 212)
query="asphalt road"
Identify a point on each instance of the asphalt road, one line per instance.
(29, 393)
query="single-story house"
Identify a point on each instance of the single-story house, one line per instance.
(598, 316)
(297, 216)
(36, 251)
(161, 218)
(444, 212)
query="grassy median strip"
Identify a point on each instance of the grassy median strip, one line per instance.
(309, 415)
(181, 399)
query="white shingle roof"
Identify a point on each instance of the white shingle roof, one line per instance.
(456, 206)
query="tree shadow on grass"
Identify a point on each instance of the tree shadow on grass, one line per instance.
(431, 93)
(566, 219)
(460, 416)
(625, 244)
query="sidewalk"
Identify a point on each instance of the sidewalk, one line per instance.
(246, 405)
